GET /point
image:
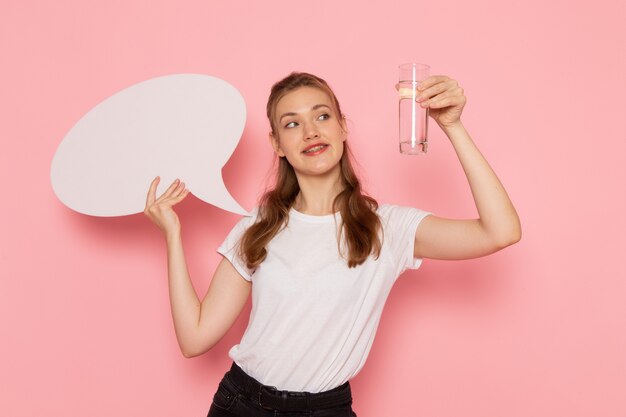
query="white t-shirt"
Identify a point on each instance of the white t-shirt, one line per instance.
(313, 319)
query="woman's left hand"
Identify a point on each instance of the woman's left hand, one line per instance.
(444, 98)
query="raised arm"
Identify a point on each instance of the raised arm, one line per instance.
(198, 325)
(498, 224)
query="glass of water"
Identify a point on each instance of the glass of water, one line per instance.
(413, 118)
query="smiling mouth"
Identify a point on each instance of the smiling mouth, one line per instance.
(315, 148)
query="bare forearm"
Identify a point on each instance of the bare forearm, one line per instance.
(497, 214)
(184, 301)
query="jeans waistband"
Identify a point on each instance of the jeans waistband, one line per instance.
(271, 398)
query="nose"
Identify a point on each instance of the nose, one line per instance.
(311, 131)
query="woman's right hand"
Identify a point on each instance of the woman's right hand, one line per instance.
(159, 210)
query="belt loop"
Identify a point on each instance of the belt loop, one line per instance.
(267, 389)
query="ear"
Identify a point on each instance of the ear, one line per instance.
(344, 128)
(275, 145)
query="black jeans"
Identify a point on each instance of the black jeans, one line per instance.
(240, 395)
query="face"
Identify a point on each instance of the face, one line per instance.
(309, 132)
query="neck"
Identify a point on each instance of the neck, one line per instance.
(317, 193)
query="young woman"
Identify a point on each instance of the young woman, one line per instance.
(319, 256)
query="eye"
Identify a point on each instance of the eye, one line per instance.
(324, 116)
(290, 124)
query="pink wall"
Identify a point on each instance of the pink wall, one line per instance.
(535, 330)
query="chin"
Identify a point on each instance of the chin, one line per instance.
(322, 170)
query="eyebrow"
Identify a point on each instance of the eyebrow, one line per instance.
(317, 106)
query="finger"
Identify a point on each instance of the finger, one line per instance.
(179, 190)
(182, 195)
(178, 197)
(451, 101)
(458, 91)
(436, 89)
(432, 80)
(152, 191)
(169, 190)
(174, 197)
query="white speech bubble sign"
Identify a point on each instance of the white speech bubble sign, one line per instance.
(176, 126)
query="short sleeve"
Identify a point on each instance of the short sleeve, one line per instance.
(230, 247)
(399, 227)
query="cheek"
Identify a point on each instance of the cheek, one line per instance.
(288, 145)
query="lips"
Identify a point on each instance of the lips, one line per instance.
(315, 148)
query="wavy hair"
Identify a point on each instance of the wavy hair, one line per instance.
(360, 226)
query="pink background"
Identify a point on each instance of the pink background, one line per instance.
(535, 330)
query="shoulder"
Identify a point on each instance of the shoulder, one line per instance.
(254, 214)
(251, 217)
(400, 220)
(244, 222)
(394, 213)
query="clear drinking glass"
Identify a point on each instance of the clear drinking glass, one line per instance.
(413, 118)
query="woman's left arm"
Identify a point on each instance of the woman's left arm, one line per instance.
(498, 225)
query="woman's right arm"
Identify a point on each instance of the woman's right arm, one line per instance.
(198, 325)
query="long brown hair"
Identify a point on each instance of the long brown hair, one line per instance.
(360, 224)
